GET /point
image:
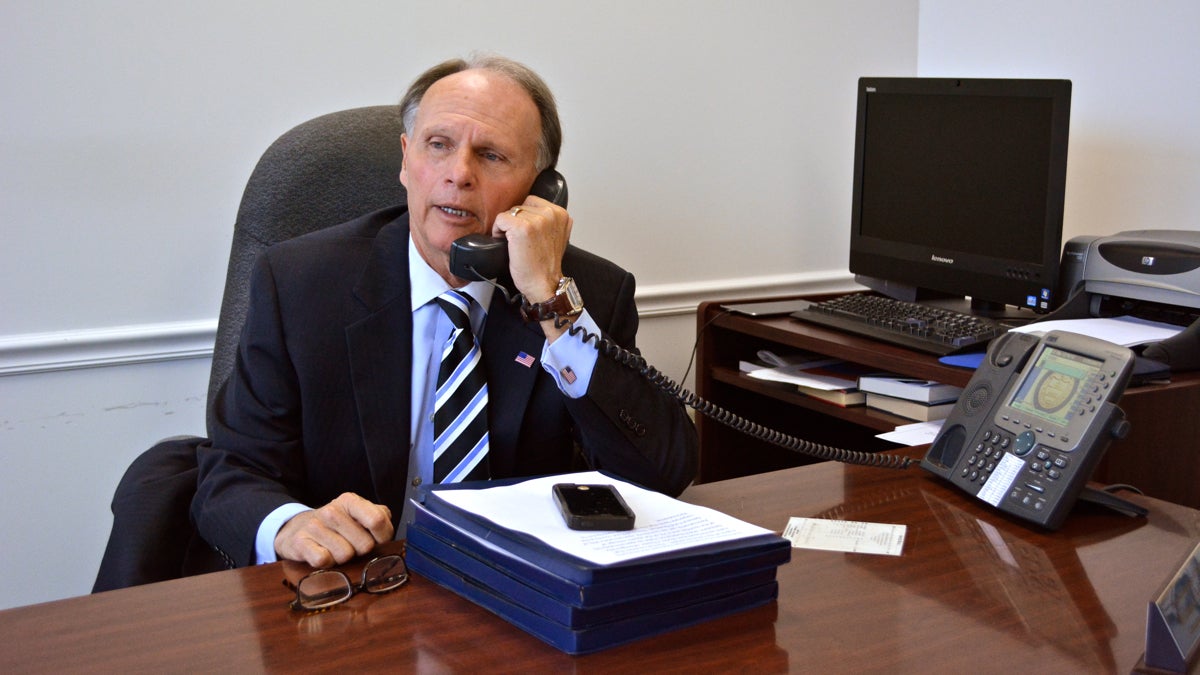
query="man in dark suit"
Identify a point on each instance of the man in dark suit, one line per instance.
(325, 424)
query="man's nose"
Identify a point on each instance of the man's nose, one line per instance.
(462, 169)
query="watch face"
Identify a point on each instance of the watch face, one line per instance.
(567, 302)
(572, 293)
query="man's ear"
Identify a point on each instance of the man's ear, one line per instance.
(404, 160)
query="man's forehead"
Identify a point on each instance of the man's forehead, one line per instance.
(486, 96)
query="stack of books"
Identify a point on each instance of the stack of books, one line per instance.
(915, 399)
(586, 591)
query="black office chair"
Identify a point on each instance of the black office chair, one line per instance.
(323, 172)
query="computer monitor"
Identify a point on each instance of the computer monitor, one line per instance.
(958, 190)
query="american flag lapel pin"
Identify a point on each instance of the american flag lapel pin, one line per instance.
(524, 359)
(568, 375)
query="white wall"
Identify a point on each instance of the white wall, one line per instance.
(130, 127)
(707, 146)
(65, 439)
(1134, 158)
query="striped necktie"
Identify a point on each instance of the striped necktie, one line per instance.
(460, 425)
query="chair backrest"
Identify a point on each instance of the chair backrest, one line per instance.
(321, 173)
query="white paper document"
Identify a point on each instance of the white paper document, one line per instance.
(918, 433)
(803, 375)
(848, 536)
(662, 524)
(1126, 331)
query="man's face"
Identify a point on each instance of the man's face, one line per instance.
(470, 156)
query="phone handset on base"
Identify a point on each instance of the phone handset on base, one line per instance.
(1033, 423)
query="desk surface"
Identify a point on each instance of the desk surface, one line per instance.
(972, 592)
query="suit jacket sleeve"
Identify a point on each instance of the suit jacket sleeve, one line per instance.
(286, 424)
(253, 463)
(627, 425)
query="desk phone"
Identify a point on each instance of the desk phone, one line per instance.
(1033, 423)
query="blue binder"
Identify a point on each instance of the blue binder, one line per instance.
(581, 583)
(516, 587)
(577, 605)
(599, 636)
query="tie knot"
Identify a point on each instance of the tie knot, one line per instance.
(457, 306)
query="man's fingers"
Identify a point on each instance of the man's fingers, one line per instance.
(306, 537)
(347, 527)
(537, 236)
(344, 532)
(375, 518)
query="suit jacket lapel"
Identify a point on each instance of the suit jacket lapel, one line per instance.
(505, 337)
(380, 353)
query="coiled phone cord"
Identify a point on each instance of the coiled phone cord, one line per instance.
(711, 410)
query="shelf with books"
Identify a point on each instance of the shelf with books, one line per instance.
(725, 340)
(1164, 427)
(877, 421)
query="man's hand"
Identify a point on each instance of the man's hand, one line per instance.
(537, 232)
(345, 528)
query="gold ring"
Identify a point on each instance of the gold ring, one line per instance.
(515, 210)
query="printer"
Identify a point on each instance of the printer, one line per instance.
(1154, 274)
(1150, 274)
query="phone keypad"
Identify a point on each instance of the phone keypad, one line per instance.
(986, 454)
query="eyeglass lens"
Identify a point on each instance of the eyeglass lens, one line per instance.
(325, 588)
(322, 589)
(384, 574)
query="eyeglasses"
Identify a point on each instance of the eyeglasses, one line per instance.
(323, 589)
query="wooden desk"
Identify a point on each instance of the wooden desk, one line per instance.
(1160, 456)
(972, 592)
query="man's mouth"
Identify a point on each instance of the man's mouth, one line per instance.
(457, 213)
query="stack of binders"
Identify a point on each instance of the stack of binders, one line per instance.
(580, 606)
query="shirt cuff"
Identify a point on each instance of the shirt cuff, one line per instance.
(264, 541)
(570, 360)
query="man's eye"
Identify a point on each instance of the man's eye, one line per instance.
(492, 156)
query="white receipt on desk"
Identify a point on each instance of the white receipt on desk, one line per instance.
(846, 535)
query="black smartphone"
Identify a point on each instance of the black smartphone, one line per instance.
(593, 507)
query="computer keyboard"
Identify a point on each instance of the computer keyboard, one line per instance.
(928, 329)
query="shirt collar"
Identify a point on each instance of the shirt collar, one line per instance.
(427, 285)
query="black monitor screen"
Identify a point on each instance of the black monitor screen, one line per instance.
(959, 186)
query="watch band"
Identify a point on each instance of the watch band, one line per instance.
(566, 303)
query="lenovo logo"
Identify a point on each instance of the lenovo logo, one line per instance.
(939, 259)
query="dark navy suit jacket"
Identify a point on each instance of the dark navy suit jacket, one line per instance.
(318, 402)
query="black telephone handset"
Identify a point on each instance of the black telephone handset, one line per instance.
(479, 256)
(1033, 423)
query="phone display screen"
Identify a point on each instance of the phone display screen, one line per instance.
(1056, 385)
